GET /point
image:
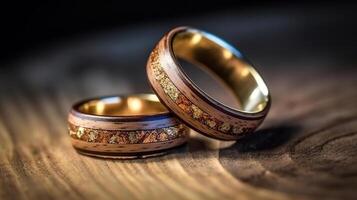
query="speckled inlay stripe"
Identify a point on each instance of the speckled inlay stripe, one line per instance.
(127, 137)
(194, 111)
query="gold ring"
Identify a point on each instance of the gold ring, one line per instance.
(193, 106)
(124, 126)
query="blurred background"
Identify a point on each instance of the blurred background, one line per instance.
(46, 43)
(57, 52)
(81, 49)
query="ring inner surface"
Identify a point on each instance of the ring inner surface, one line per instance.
(224, 61)
(132, 105)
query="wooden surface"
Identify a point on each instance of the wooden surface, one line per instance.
(306, 148)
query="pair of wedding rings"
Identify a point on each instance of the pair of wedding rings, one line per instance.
(147, 124)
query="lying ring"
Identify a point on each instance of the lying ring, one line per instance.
(193, 106)
(124, 126)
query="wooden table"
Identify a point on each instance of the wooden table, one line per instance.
(306, 148)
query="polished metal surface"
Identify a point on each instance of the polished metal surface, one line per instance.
(128, 126)
(226, 62)
(132, 105)
(199, 110)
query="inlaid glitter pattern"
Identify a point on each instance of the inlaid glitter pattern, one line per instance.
(127, 137)
(191, 109)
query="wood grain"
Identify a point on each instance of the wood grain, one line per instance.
(305, 149)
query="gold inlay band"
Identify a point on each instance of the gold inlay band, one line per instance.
(196, 108)
(124, 126)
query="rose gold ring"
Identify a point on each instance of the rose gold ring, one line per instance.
(191, 104)
(124, 127)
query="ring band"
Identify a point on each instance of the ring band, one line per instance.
(124, 126)
(193, 106)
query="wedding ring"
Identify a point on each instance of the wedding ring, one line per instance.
(124, 126)
(191, 104)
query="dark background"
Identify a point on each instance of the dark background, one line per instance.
(33, 25)
(58, 52)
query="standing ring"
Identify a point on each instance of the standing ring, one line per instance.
(191, 104)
